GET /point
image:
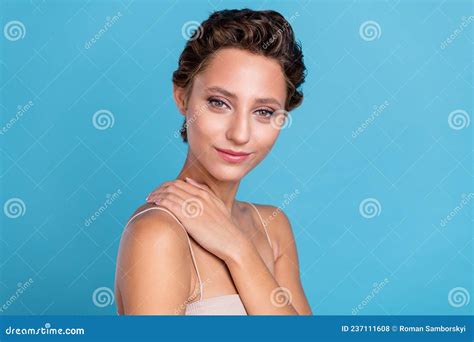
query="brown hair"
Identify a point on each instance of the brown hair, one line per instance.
(265, 33)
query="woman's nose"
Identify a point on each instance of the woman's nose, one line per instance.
(239, 128)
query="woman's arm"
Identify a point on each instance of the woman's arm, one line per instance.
(153, 271)
(262, 293)
(209, 222)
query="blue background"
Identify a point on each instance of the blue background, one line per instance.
(408, 158)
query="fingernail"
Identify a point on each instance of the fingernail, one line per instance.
(192, 181)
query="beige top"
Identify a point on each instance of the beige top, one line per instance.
(220, 305)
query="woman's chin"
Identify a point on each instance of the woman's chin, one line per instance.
(227, 174)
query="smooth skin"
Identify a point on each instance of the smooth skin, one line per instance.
(233, 104)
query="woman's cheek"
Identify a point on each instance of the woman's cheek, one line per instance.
(203, 133)
(266, 138)
(210, 125)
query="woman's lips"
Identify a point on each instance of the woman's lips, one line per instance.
(232, 157)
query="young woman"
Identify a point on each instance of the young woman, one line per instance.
(194, 249)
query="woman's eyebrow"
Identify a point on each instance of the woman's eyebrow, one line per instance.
(268, 100)
(222, 91)
(233, 96)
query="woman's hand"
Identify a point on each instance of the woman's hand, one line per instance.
(203, 215)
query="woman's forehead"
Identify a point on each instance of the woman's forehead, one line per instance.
(240, 71)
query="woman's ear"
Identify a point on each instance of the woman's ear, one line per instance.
(179, 95)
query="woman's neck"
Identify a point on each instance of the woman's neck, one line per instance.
(225, 190)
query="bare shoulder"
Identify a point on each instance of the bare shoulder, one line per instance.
(153, 263)
(152, 221)
(274, 217)
(277, 223)
(287, 272)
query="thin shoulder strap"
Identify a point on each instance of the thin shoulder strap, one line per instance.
(263, 223)
(187, 236)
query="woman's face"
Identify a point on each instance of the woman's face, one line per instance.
(236, 103)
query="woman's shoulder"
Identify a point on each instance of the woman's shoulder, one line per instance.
(273, 216)
(150, 222)
(153, 257)
(276, 222)
(280, 230)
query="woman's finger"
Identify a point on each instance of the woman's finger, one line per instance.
(173, 201)
(193, 190)
(199, 185)
(182, 208)
(166, 187)
(163, 185)
(176, 195)
(172, 205)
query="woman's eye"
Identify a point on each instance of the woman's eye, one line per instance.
(265, 113)
(216, 103)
